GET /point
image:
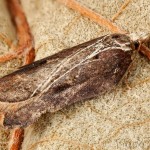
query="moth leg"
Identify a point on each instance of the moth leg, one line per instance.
(16, 139)
(122, 8)
(25, 45)
(92, 15)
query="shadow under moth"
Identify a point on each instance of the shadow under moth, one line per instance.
(75, 74)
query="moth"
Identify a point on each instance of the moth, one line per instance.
(74, 74)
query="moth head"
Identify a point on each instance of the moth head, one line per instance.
(121, 40)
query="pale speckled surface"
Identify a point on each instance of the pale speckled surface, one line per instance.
(117, 120)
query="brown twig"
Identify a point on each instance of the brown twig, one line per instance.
(25, 44)
(100, 19)
(8, 57)
(16, 139)
(92, 15)
(145, 50)
(122, 8)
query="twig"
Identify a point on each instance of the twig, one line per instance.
(100, 19)
(145, 50)
(92, 15)
(25, 40)
(122, 8)
(16, 139)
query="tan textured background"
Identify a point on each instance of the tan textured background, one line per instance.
(118, 120)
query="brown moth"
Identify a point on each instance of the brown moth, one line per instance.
(75, 74)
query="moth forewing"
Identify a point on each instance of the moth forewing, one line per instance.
(72, 75)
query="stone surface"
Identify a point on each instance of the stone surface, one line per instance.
(117, 120)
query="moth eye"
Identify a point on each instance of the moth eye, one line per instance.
(136, 44)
